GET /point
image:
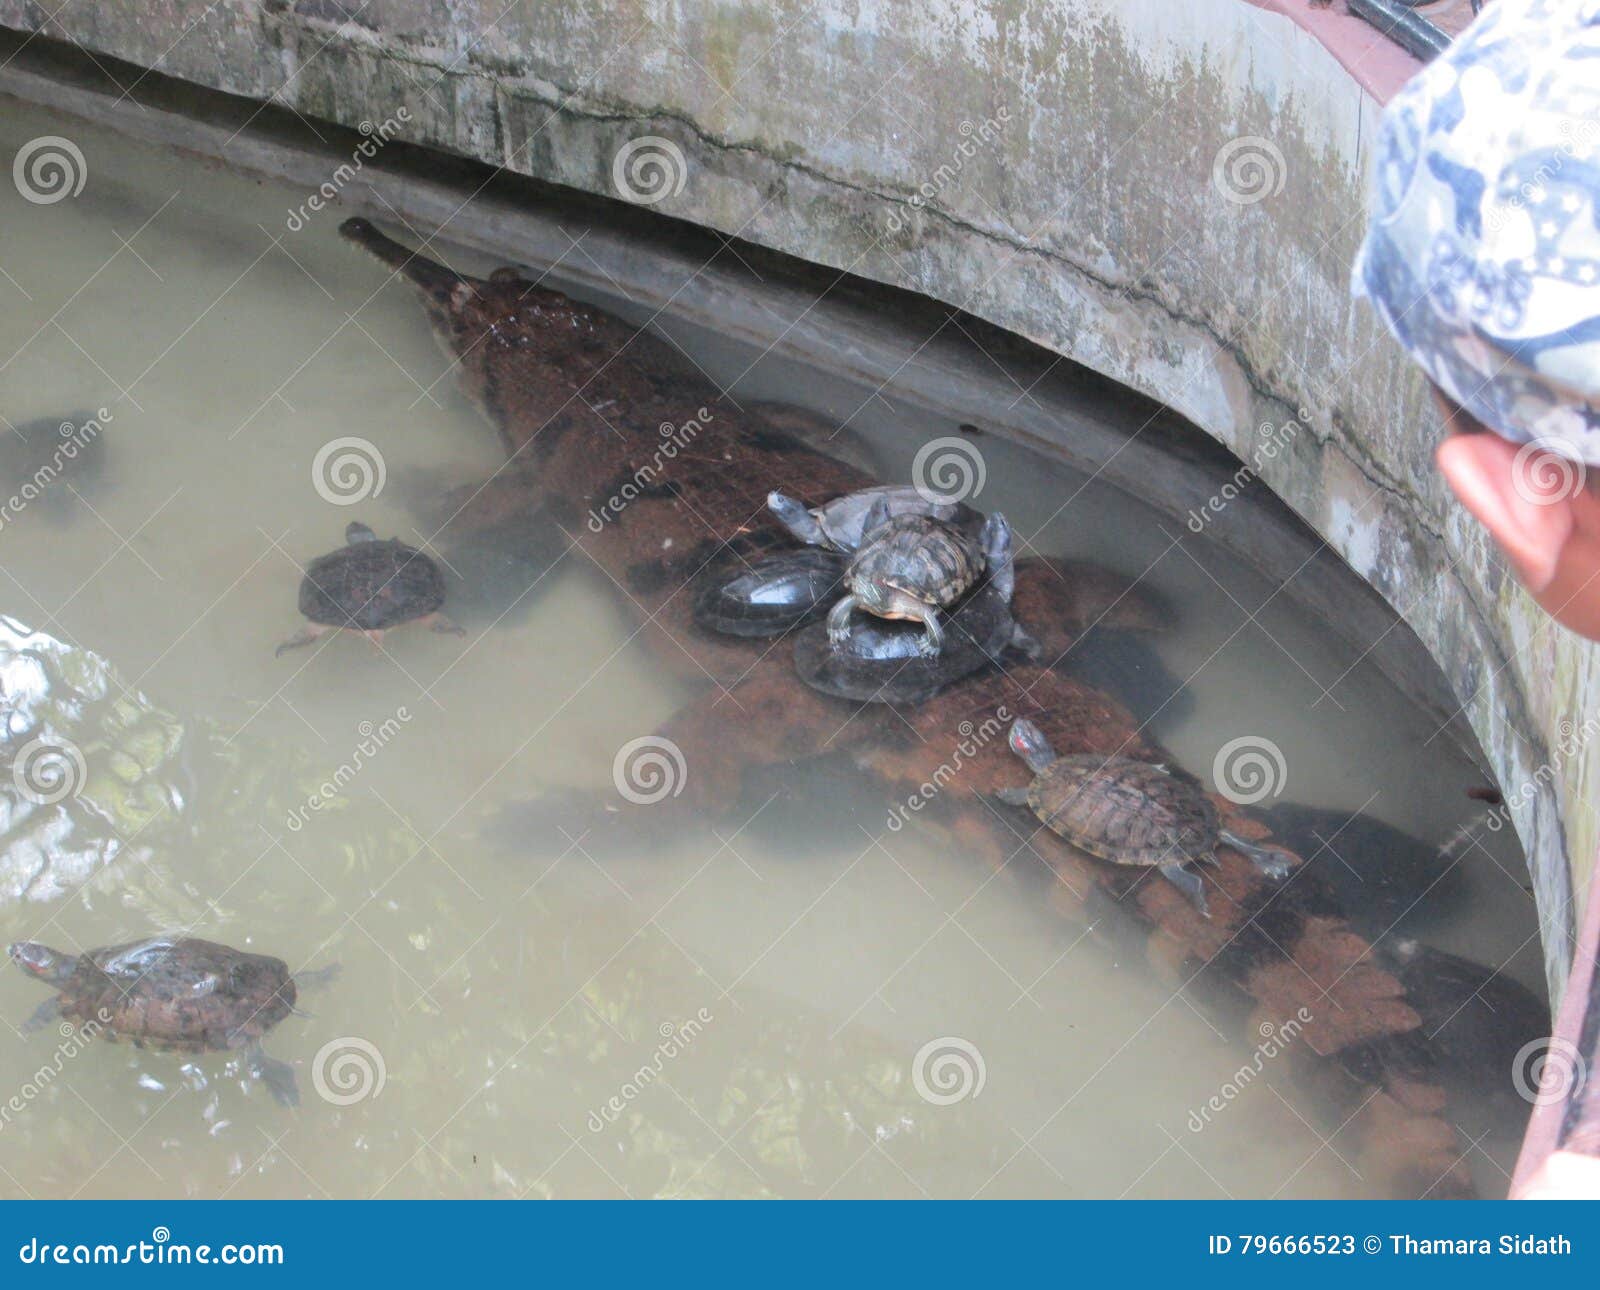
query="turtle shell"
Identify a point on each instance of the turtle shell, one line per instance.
(1125, 811)
(880, 662)
(844, 519)
(184, 994)
(371, 585)
(770, 596)
(923, 557)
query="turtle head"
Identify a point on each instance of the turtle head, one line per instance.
(356, 531)
(40, 961)
(487, 325)
(1029, 743)
(796, 518)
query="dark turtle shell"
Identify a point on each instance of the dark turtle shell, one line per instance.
(772, 595)
(370, 584)
(880, 661)
(1125, 811)
(185, 994)
(923, 557)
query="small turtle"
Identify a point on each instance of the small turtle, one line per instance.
(883, 661)
(912, 566)
(171, 993)
(770, 596)
(369, 586)
(842, 524)
(1128, 812)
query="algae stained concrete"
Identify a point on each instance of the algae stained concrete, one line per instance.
(1169, 194)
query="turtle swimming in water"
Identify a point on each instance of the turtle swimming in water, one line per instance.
(1128, 812)
(369, 586)
(912, 566)
(171, 993)
(842, 524)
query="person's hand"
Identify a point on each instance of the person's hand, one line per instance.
(1540, 511)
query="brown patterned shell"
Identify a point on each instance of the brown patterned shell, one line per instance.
(1129, 812)
(923, 557)
(190, 995)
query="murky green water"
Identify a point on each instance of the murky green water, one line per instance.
(495, 1001)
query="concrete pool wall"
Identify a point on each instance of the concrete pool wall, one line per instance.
(1168, 195)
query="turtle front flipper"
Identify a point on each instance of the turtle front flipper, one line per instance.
(1271, 862)
(839, 619)
(42, 1016)
(1187, 882)
(1013, 796)
(933, 634)
(995, 542)
(277, 1076)
(307, 634)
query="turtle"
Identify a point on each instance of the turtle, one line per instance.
(1129, 812)
(174, 993)
(842, 524)
(885, 661)
(369, 586)
(771, 595)
(912, 566)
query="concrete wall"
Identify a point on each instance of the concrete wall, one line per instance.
(1169, 194)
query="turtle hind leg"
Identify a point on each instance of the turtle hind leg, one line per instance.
(1187, 882)
(1271, 862)
(307, 634)
(277, 1076)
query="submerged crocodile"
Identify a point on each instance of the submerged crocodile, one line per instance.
(654, 476)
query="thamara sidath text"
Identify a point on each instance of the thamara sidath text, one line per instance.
(1480, 1245)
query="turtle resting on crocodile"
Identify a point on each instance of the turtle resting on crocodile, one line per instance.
(369, 586)
(1128, 812)
(912, 566)
(882, 661)
(844, 523)
(171, 993)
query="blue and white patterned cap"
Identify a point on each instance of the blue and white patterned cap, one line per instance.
(1483, 251)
